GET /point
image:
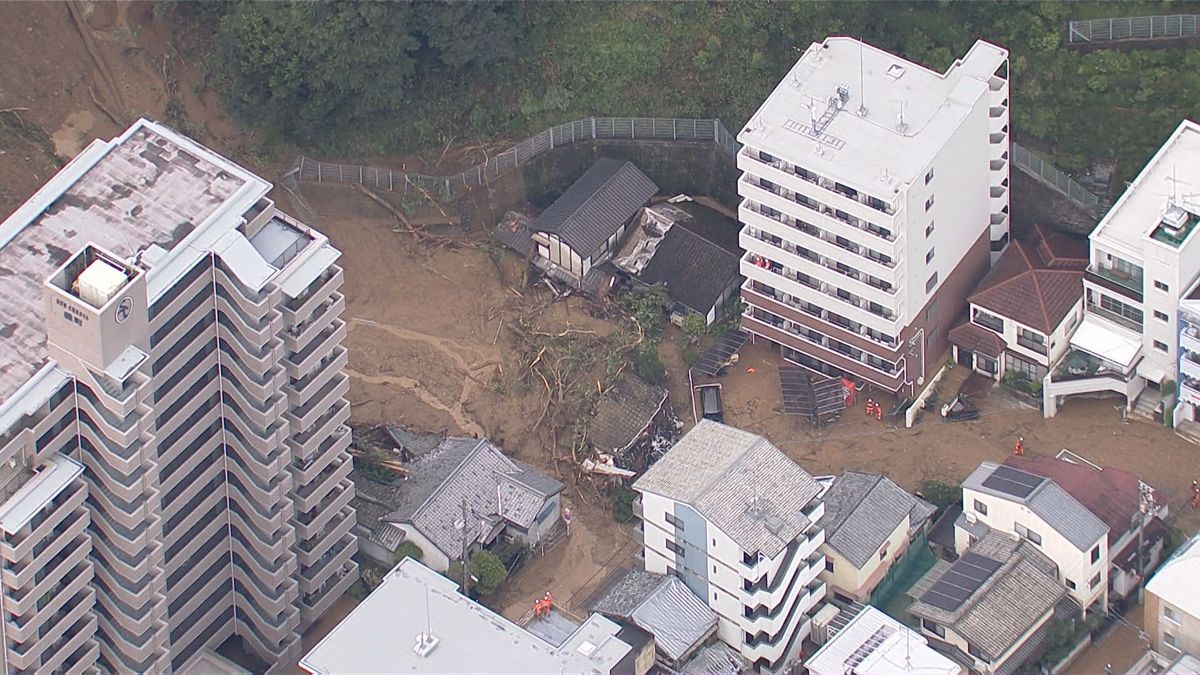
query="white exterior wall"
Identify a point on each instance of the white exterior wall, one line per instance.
(432, 557)
(1073, 564)
(1058, 342)
(726, 573)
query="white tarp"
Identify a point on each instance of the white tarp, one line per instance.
(1104, 341)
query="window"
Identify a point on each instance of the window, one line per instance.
(1031, 340)
(883, 552)
(929, 229)
(1170, 640)
(929, 257)
(1070, 584)
(1117, 307)
(1028, 534)
(672, 520)
(931, 283)
(933, 628)
(674, 548)
(714, 595)
(1161, 286)
(828, 565)
(929, 176)
(1096, 554)
(1160, 346)
(929, 203)
(980, 508)
(714, 569)
(714, 542)
(988, 320)
(1170, 614)
(1161, 316)
(1095, 581)
(985, 363)
(977, 653)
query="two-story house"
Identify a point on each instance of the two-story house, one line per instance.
(1022, 314)
(1035, 508)
(1144, 257)
(874, 197)
(738, 522)
(992, 608)
(869, 522)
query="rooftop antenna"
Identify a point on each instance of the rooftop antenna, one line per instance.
(428, 619)
(862, 83)
(901, 125)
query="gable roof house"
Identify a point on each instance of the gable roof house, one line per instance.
(869, 523)
(1117, 498)
(584, 226)
(503, 496)
(994, 604)
(1022, 313)
(662, 606)
(1039, 510)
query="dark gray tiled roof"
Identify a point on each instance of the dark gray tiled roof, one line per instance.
(604, 198)
(623, 412)
(1047, 501)
(627, 592)
(1011, 601)
(662, 605)
(738, 481)
(862, 510)
(695, 271)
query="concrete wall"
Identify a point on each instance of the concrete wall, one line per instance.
(432, 557)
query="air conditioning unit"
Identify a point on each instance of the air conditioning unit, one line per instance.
(820, 623)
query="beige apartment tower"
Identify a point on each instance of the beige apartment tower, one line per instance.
(173, 442)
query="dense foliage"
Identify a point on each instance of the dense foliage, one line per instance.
(375, 77)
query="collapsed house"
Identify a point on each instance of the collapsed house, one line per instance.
(631, 426)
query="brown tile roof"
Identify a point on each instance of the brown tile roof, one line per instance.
(1037, 280)
(977, 339)
(1111, 494)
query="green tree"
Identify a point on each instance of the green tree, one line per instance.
(940, 493)
(298, 67)
(487, 572)
(646, 307)
(407, 550)
(694, 328)
(471, 34)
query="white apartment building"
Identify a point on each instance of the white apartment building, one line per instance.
(1038, 510)
(1143, 259)
(1186, 417)
(736, 520)
(874, 198)
(173, 465)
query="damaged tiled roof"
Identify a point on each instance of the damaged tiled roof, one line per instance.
(623, 412)
(1036, 281)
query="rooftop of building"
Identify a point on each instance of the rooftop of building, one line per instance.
(1113, 495)
(663, 606)
(1042, 496)
(1175, 580)
(623, 412)
(993, 595)
(596, 205)
(1036, 281)
(430, 498)
(1170, 179)
(862, 510)
(383, 634)
(739, 482)
(873, 643)
(874, 152)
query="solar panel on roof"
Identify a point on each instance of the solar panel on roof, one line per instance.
(958, 583)
(1012, 482)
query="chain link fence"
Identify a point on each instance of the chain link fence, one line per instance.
(589, 129)
(1173, 27)
(1054, 177)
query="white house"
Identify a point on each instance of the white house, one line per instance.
(1172, 603)
(874, 198)
(736, 520)
(1144, 258)
(1035, 508)
(1022, 314)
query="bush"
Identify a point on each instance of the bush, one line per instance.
(407, 550)
(622, 504)
(649, 365)
(940, 493)
(487, 572)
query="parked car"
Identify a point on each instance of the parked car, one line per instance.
(710, 402)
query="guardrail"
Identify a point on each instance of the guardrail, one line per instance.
(588, 129)
(1052, 176)
(1130, 28)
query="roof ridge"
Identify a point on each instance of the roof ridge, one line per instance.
(1041, 298)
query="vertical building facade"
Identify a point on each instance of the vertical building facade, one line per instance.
(874, 197)
(737, 521)
(172, 415)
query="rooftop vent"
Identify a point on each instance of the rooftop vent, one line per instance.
(99, 282)
(426, 643)
(586, 648)
(895, 71)
(1175, 219)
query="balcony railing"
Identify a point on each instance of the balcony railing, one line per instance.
(1117, 318)
(824, 183)
(818, 312)
(827, 263)
(1127, 286)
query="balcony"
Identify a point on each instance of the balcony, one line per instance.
(822, 320)
(1079, 365)
(819, 242)
(859, 367)
(1115, 317)
(788, 174)
(1113, 280)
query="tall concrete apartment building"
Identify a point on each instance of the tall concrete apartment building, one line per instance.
(874, 198)
(172, 415)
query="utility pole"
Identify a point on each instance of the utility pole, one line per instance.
(465, 548)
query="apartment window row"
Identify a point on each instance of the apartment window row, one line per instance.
(826, 183)
(814, 283)
(819, 312)
(826, 341)
(814, 231)
(1119, 309)
(813, 256)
